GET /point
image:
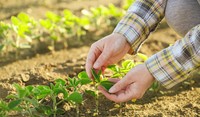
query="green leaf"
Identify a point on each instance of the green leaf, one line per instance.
(113, 68)
(23, 17)
(21, 92)
(3, 106)
(32, 101)
(15, 21)
(107, 84)
(42, 91)
(83, 75)
(96, 75)
(57, 91)
(14, 103)
(155, 86)
(53, 17)
(117, 75)
(128, 64)
(142, 56)
(11, 96)
(84, 79)
(29, 88)
(60, 81)
(74, 82)
(75, 97)
(90, 92)
(46, 24)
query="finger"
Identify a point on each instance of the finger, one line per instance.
(121, 96)
(91, 58)
(102, 59)
(115, 80)
(117, 97)
(123, 83)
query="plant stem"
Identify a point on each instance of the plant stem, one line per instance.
(29, 110)
(77, 110)
(120, 109)
(97, 101)
(96, 98)
(54, 106)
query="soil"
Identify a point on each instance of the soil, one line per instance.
(182, 100)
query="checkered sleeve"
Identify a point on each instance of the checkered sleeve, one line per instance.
(173, 64)
(140, 20)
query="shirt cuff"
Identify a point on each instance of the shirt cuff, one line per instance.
(134, 28)
(166, 69)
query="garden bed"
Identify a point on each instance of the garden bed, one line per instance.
(44, 68)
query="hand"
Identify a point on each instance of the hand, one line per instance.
(106, 51)
(132, 86)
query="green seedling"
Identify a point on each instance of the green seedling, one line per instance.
(100, 81)
(5, 108)
(84, 79)
(4, 41)
(119, 72)
(22, 26)
(103, 16)
(53, 28)
(155, 86)
(75, 98)
(23, 100)
(23, 30)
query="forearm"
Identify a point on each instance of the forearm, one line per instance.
(173, 64)
(140, 20)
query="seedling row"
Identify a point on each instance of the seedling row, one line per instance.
(48, 100)
(24, 32)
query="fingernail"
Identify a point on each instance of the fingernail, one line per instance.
(111, 90)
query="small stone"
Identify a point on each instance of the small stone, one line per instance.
(25, 77)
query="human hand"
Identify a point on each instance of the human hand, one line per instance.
(106, 51)
(132, 86)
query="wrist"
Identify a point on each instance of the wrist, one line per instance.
(126, 43)
(148, 73)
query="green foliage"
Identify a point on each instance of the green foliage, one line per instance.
(4, 109)
(106, 84)
(30, 100)
(127, 65)
(83, 78)
(75, 97)
(24, 32)
(102, 82)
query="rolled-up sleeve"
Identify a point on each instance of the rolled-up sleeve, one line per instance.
(140, 20)
(173, 64)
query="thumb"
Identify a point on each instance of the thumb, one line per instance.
(102, 59)
(122, 84)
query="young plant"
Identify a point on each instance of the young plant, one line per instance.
(75, 98)
(4, 108)
(23, 100)
(52, 28)
(4, 41)
(22, 26)
(100, 81)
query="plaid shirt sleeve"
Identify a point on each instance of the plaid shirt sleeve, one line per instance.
(140, 20)
(173, 64)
